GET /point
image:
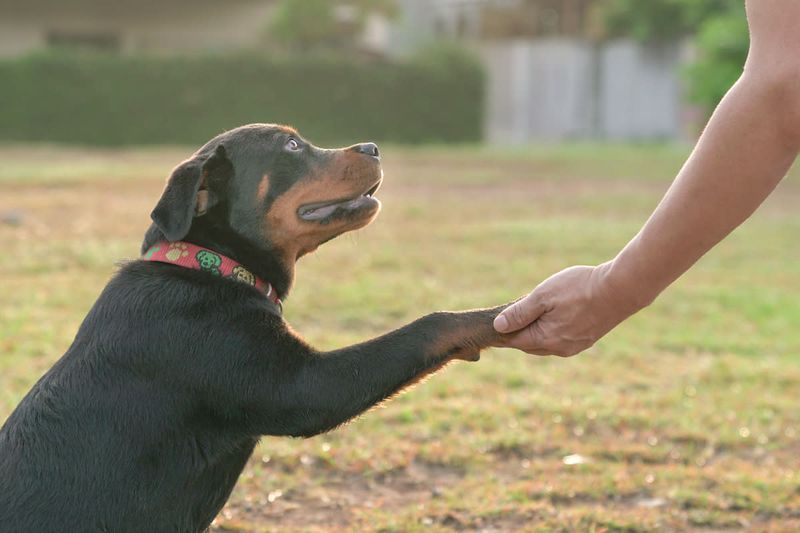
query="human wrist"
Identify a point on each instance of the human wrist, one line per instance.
(626, 289)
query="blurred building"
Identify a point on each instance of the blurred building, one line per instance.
(131, 25)
(552, 73)
(481, 20)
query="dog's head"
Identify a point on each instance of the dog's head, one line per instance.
(266, 186)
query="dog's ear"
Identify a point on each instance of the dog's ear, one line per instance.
(189, 193)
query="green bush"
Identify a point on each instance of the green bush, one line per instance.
(722, 44)
(719, 29)
(118, 100)
(313, 25)
(660, 20)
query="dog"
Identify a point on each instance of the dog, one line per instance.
(185, 361)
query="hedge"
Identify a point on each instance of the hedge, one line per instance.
(130, 100)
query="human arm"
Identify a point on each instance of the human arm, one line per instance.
(748, 146)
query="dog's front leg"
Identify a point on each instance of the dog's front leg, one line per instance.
(328, 389)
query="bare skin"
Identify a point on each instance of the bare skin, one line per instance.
(748, 146)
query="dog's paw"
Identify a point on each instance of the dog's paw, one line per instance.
(466, 354)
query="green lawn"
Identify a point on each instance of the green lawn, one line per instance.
(684, 418)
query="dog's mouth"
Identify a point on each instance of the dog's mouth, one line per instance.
(325, 211)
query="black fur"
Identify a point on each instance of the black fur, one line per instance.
(148, 419)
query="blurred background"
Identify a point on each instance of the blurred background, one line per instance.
(518, 137)
(500, 71)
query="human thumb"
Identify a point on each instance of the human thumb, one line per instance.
(519, 314)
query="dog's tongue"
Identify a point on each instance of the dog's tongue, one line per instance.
(320, 212)
(324, 211)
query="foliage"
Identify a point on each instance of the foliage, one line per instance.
(722, 45)
(658, 20)
(111, 100)
(446, 54)
(314, 24)
(720, 27)
(304, 23)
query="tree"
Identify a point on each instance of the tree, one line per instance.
(719, 28)
(323, 24)
(722, 45)
(659, 20)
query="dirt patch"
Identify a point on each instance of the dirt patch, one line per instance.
(329, 501)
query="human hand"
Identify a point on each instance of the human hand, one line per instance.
(566, 314)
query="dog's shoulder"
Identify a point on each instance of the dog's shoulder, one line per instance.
(154, 315)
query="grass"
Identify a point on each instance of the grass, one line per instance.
(683, 418)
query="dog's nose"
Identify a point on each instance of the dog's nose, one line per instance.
(367, 149)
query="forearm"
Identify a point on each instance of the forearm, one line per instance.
(746, 149)
(328, 389)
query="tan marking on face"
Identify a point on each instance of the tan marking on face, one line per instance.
(344, 177)
(201, 201)
(263, 188)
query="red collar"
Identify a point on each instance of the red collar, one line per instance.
(195, 257)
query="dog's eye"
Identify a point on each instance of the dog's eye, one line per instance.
(292, 145)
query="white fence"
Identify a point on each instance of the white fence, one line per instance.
(569, 89)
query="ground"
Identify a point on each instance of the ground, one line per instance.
(684, 418)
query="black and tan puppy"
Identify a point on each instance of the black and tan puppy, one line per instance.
(148, 419)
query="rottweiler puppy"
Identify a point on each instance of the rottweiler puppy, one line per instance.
(185, 361)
